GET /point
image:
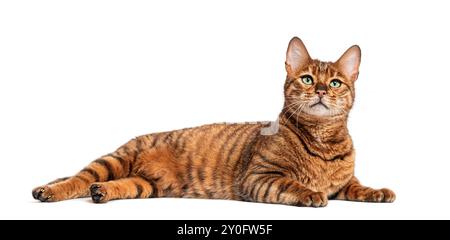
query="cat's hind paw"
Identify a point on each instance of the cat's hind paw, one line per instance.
(43, 194)
(98, 193)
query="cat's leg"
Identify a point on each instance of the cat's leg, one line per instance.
(112, 166)
(272, 188)
(155, 174)
(354, 191)
(125, 188)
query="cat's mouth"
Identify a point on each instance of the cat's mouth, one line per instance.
(319, 103)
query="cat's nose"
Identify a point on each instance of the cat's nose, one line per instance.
(321, 93)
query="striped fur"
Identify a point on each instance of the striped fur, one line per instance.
(308, 161)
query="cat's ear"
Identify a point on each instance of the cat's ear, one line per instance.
(297, 56)
(349, 62)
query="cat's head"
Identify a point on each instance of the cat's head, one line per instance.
(319, 89)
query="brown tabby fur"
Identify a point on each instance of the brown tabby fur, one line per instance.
(308, 161)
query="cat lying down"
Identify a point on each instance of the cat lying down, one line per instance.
(303, 159)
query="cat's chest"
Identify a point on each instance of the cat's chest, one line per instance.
(327, 176)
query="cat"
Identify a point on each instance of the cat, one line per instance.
(303, 159)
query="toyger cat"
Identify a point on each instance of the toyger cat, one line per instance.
(308, 160)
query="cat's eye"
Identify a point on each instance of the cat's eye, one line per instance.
(308, 80)
(335, 83)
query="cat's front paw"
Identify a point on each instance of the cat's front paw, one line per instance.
(313, 199)
(44, 194)
(382, 195)
(372, 195)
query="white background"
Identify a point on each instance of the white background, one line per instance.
(80, 78)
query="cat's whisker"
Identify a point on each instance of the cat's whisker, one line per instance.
(298, 109)
(292, 104)
(291, 107)
(293, 112)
